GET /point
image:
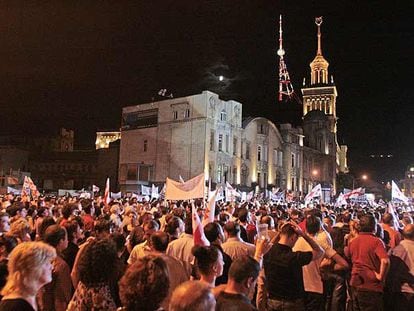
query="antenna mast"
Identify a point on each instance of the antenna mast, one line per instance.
(285, 86)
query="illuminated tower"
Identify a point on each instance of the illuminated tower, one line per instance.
(285, 86)
(320, 94)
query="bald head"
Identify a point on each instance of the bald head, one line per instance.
(408, 232)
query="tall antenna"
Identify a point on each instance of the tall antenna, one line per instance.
(285, 86)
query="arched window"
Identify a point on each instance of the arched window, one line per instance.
(223, 115)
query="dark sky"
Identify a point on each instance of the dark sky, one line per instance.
(77, 63)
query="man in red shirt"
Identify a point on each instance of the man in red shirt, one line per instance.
(370, 263)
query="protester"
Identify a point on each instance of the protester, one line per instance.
(242, 280)
(56, 295)
(192, 296)
(97, 268)
(370, 265)
(145, 284)
(234, 246)
(30, 268)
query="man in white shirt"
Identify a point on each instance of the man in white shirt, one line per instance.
(234, 246)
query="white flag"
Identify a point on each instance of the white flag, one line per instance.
(396, 193)
(145, 190)
(95, 188)
(231, 193)
(340, 200)
(191, 189)
(154, 192)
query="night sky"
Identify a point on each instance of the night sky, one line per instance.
(77, 63)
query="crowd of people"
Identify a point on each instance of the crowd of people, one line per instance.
(63, 253)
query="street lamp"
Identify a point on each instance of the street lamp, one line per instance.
(364, 177)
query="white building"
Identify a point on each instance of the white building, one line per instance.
(202, 133)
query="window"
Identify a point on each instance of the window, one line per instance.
(234, 146)
(175, 114)
(247, 151)
(293, 160)
(293, 183)
(144, 173)
(259, 182)
(242, 148)
(234, 174)
(280, 158)
(223, 115)
(220, 142)
(212, 140)
(187, 113)
(259, 153)
(145, 145)
(132, 172)
(275, 159)
(227, 143)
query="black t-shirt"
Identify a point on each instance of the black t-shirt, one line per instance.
(233, 302)
(283, 269)
(15, 305)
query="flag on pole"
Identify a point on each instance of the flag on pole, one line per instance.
(191, 189)
(340, 200)
(231, 193)
(198, 231)
(29, 188)
(396, 193)
(106, 197)
(314, 193)
(95, 188)
(354, 193)
(210, 208)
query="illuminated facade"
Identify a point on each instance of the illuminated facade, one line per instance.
(325, 157)
(103, 139)
(202, 133)
(180, 137)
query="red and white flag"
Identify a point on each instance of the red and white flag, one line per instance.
(29, 188)
(314, 193)
(354, 193)
(396, 193)
(198, 231)
(106, 197)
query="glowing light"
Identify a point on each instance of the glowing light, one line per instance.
(221, 78)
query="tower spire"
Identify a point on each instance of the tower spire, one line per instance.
(318, 22)
(319, 66)
(285, 86)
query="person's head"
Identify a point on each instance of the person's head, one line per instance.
(87, 206)
(288, 235)
(408, 232)
(46, 222)
(367, 223)
(269, 221)
(29, 268)
(68, 209)
(7, 244)
(175, 226)
(4, 222)
(209, 260)
(243, 274)
(73, 230)
(232, 229)
(119, 240)
(192, 296)
(243, 215)
(102, 228)
(214, 232)
(313, 224)
(158, 241)
(56, 236)
(388, 219)
(150, 227)
(188, 225)
(97, 262)
(20, 229)
(145, 284)
(328, 222)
